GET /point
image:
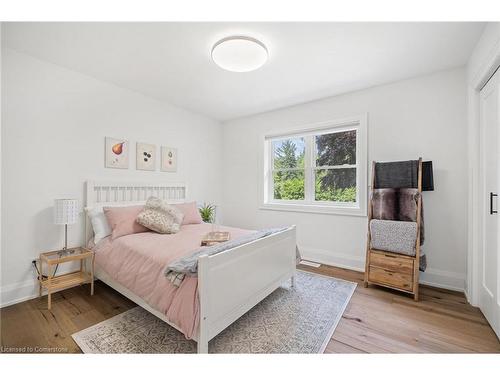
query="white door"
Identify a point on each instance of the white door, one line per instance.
(489, 261)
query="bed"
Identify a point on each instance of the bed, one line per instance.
(228, 283)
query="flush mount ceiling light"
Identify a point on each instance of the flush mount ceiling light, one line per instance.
(239, 53)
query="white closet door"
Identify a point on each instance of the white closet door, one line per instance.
(489, 301)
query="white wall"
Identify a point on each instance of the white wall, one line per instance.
(484, 49)
(424, 116)
(1, 169)
(54, 124)
(482, 63)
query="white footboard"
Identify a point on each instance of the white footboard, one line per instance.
(232, 282)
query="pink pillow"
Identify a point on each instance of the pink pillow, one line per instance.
(191, 213)
(122, 220)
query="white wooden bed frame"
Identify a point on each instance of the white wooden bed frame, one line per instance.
(229, 283)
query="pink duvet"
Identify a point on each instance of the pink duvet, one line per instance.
(137, 262)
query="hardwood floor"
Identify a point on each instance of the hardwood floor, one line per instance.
(376, 320)
(30, 324)
(381, 321)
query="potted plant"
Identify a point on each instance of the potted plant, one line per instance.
(207, 212)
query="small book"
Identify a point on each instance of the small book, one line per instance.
(213, 238)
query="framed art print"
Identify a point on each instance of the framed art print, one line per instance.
(116, 153)
(145, 157)
(168, 159)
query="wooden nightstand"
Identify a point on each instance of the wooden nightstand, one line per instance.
(52, 258)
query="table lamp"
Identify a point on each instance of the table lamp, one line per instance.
(65, 212)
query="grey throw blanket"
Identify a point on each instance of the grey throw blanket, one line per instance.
(188, 265)
(396, 174)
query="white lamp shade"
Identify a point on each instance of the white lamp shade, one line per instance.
(65, 211)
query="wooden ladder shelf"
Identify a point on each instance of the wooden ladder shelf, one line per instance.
(393, 270)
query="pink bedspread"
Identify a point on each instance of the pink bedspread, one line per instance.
(137, 262)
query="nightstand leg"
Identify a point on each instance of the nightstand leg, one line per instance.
(40, 278)
(92, 275)
(49, 287)
(83, 267)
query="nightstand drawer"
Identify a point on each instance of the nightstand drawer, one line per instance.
(392, 262)
(391, 278)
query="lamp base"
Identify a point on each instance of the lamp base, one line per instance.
(65, 237)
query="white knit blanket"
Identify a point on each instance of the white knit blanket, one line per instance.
(394, 236)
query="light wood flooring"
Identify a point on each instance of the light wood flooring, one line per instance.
(376, 320)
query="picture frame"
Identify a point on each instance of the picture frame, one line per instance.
(145, 156)
(116, 153)
(168, 159)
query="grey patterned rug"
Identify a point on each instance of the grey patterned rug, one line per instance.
(300, 320)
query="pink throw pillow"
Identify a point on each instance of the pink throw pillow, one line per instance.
(122, 220)
(191, 213)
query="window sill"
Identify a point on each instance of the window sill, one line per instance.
(315, 209)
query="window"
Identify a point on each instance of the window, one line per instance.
(318, 168)
(288, 171)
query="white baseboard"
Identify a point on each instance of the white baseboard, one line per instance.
(331, 258)
(432, 277)
(443, 279)
(23, 291)
(18, 292)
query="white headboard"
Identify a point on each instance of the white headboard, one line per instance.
(99, 192)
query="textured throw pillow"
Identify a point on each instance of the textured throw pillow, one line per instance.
(122, 220)
(191, 213)
(161, 217)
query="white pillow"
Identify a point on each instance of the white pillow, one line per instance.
(99, 223)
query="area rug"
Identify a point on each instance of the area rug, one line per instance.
(289, 320)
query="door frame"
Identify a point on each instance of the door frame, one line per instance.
(475, 198)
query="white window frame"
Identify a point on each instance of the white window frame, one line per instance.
(309, 204)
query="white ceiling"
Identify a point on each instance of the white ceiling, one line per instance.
(308, 61)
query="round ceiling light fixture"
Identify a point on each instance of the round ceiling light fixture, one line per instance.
(239, 53)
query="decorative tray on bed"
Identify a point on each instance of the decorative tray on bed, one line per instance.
(213, 238)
